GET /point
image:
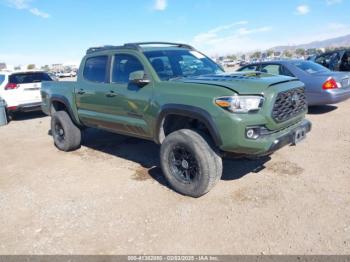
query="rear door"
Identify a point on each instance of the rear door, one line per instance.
(28, 86)
(91, 91)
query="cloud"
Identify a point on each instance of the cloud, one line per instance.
(333, 2)
(245, 31)
(37, 12)
(160, 5)
(234, 37)
(302, 9)
(26, 5)
(212, 34)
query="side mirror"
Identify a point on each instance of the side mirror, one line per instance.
(139, 78)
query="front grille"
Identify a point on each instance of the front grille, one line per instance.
(289, 104)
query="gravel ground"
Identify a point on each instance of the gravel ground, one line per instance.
(109, 197)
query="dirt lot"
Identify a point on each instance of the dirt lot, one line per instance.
(109, 197)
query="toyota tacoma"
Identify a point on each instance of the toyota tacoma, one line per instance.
(179, 98)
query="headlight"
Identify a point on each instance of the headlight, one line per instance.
(240, 104)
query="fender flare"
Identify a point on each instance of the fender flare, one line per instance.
(188, 111)
(64, 100)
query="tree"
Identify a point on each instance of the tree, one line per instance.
(269, 52)
(232, 57)
(45, 68)
(287, 53)
(31, 66)
(300, 51)
(256, 54)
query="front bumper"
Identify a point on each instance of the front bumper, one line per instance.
(288, 138)
(267, 143)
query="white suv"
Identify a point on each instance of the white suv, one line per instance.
(21, 90)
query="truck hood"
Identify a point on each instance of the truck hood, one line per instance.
(240, 82)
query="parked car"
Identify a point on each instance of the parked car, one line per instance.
(197, 114)
(21, 90)
(53, 76)
(66, 74)
(322, 86)
(338, 60)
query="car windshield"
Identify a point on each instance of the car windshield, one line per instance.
(26, 78)
(172, 64)
(310, 67)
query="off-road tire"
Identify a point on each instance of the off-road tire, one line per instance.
(70, 139)
(202, 162)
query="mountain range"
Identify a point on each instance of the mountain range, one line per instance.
(332, 42)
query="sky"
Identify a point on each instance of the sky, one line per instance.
(47, 31)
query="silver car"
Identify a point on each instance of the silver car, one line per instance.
(322, 86)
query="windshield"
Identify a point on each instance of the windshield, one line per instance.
(310, 67)
(170, 64)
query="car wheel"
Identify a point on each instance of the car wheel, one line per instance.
(189, 162)
(66, 135)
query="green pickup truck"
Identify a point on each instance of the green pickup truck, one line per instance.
(177, 97)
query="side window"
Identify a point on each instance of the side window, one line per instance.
(162, 66)
(95, 69)
(250, 68)
(284, 71)
(270, 69)
(123, 66)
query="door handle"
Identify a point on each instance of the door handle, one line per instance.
(81, 92)
(111, 94)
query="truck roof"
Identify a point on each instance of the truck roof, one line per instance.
(140, 46)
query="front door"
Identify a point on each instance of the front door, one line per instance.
(133, 101)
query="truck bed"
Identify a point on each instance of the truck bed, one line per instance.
(64, 89)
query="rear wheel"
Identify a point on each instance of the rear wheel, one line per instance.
(191, 166)
(66, 135)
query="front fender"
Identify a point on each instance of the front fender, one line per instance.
(188, 111)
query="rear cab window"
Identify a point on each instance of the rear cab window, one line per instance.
(95, 69)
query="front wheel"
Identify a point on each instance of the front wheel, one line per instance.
(66, 135)
(189, 163)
